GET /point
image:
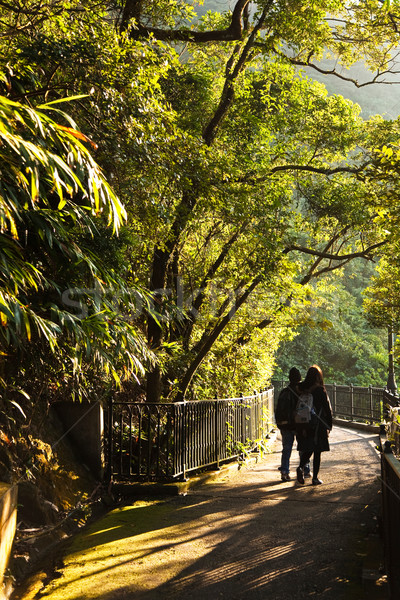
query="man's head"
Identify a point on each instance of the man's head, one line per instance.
(294, 375)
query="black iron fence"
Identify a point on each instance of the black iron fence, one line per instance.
(356, 403)
(390, 470)
(165, 441)
(390, 473)
(350, 402)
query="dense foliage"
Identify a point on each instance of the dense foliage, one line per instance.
(242, 180)
(335, 333)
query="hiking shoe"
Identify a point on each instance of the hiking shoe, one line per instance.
(316, 481)
(285, 477)
(307, 475)
(300, 475)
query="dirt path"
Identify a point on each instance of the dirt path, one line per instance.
(245, 537)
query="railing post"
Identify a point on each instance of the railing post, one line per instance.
(371, 406)
(270, 395)
(391, 382)
(253, 433)
(110, 438)
(383, 407)
(217, 438)
(175, 442)
(183, 444)
(334, 398)
(140, 438)
(243, 419)
(351, 402)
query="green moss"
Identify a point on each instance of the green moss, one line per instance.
(97, 559)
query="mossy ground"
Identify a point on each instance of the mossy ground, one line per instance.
(247, 535)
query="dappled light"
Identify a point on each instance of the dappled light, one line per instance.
(247, 533)
(197, 197)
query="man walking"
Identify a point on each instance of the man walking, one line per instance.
(284, 417)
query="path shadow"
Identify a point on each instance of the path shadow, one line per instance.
(259, 540)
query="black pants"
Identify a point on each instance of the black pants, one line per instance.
(305, 457)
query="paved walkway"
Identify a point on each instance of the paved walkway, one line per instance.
(245, 537)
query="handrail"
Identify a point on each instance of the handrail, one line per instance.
(166, 440)
(390, 478)
(364, 404)
(156, 441)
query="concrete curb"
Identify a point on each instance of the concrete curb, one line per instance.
(355, 425)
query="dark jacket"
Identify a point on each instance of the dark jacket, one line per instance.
(285, 407)
(309, 439)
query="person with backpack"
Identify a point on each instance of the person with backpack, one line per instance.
(313, 429)
(284, 418)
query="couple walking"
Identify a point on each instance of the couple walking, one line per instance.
(312, 433)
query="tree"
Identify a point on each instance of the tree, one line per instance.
(312, 157)
(243, 181)
(334, 332)
(52, 194)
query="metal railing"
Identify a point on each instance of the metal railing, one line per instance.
(356, 403)
(165, 441)
(390, 477)
(390, 474)
(350, 402)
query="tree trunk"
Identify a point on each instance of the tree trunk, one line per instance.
(208, 342)
(154, 331)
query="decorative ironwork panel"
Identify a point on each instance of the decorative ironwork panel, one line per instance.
(155, 441)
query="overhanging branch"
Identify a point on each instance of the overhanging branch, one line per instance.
(374, 80)
(367, 253)
(232, 33)
(321, 170)
(355, 170)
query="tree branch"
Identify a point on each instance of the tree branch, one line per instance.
(231, 33)
(209, 341)
(228, 93)
(249, 179)
(362, 254)
(321, 170)
(326, 270)
(335, 73)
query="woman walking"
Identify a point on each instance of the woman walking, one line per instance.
(312, 439)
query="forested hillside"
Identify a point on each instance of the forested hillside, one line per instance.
(336, 333)
(342, 340)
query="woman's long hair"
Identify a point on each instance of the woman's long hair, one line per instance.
(314, 377)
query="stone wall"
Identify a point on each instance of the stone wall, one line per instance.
(83, 423)
(8, 523)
